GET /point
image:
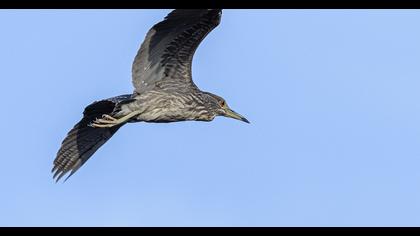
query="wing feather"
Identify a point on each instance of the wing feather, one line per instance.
(169, 47)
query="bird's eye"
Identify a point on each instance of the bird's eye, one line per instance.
(222, 103)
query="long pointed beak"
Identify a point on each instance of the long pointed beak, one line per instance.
(232, 114)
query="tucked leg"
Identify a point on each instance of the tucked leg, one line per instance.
(108, 121)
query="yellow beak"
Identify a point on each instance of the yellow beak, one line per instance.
(232, 114)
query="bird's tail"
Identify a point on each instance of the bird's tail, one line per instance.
(82, 141)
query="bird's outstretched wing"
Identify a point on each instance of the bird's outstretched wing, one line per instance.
(169, 47)
(82, 141)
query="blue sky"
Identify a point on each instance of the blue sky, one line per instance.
(332, 96)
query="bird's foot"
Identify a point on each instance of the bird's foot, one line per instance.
(108, 118)
(106, 121)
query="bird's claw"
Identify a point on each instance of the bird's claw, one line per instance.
(108, 117)
(105, 122)
(108, 121)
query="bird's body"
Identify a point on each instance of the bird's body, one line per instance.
(170, 105)
(164, 90)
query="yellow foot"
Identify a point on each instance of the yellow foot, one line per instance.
(108, 117)
(108, 121)
(105, 122)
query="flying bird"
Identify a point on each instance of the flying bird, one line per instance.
(163, 89)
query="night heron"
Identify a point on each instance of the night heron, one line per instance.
(164, 90)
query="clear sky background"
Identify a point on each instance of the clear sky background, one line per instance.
(332, 96)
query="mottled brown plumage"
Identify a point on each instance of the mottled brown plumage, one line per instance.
(164, 89)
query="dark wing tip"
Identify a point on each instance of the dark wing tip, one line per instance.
(179, 17)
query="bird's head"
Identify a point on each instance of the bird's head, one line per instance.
(220, 108)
